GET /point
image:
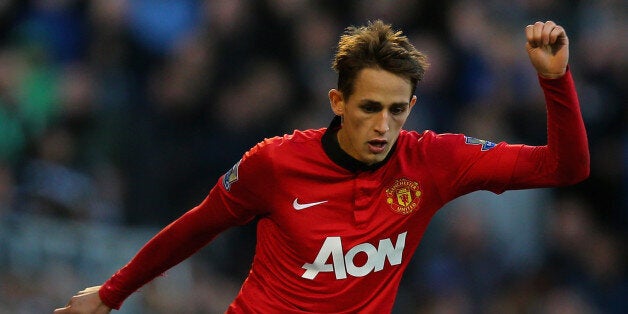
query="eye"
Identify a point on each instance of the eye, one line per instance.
(371, 107)
(397, 110)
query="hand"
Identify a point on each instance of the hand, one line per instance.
(85, 302)
(548, 48)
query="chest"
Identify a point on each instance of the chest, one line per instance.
(311, 206)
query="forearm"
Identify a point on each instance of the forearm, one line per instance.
(565, 158)
(169, 247)
(567, 137)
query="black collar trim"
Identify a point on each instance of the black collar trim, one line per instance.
(340, 157)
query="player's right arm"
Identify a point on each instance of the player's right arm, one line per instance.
(85, 302)
(170, 246)
(173, 244)
(228, 204)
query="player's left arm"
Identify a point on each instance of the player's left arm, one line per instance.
(565, 159)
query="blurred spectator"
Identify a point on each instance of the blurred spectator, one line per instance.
(561, 301)
(159, 25)
(50, 185)
(7, 190)
(585, 258)
(56, 27)
(464, 266)
(314, 43)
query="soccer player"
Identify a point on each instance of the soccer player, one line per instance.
(341, 210)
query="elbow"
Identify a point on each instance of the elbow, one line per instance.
(580, 175)
(584, 169)
(575, 173)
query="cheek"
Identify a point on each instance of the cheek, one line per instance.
(360, 130)
(356, 122)
(398, 121)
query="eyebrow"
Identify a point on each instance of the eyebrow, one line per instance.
(373, 102)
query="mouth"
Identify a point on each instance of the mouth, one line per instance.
(377, 146)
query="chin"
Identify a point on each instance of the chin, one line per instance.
(370, 161)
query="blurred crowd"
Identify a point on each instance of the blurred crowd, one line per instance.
(117, 116)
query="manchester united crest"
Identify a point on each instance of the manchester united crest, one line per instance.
(403, 196)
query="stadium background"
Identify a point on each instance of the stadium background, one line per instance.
(116, 116)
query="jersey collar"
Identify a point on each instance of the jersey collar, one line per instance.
(340, 157)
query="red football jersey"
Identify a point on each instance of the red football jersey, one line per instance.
(331, 239)
(334, 235)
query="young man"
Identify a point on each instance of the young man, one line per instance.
(341, 210)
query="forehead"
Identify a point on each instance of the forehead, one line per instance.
(382, 86)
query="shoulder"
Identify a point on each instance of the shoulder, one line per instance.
(273, 154)
(429, 137)
(296, 142)
(433, 138)
(430, 144)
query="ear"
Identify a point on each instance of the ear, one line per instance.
(412, 101)
(337, 102)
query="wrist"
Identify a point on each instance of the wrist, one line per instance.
(108, 297)
(553, 76)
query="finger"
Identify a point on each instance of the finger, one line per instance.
(530, 35)
(556, 34)
(533, 34)
(538, 33)
(547, 29)
(61, 310)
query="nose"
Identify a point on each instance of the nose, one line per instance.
(381, 125)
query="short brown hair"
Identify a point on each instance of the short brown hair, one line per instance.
(376, 45)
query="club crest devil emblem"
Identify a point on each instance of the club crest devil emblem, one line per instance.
(403, 196)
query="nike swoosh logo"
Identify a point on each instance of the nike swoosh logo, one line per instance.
(299, 206)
